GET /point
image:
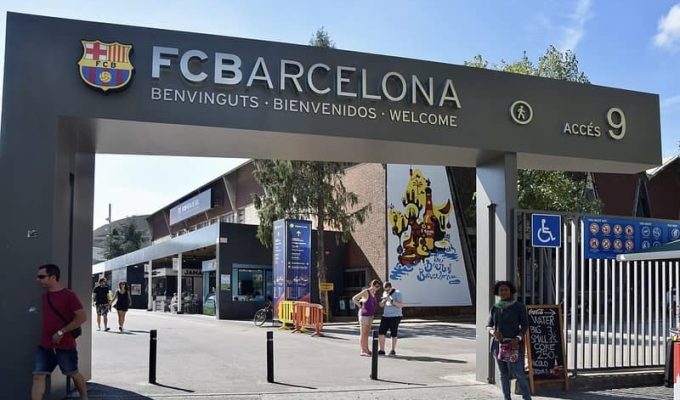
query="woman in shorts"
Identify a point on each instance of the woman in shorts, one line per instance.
(367, 303)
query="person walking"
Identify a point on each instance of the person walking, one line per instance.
(508, 323)
(366, 302)
(392, 303)
(57, 344)
(122, 301)
(100, 296)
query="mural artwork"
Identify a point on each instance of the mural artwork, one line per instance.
(424, 246)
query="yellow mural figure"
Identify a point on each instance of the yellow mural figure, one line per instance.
(426, 232)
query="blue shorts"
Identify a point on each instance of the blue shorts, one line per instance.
(46, 360)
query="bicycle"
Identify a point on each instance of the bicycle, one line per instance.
(262, 314)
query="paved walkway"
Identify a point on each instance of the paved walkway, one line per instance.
(200, 357)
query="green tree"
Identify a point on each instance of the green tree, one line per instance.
(123, 239)
(549, 190)
(308, 189)
(321, 38)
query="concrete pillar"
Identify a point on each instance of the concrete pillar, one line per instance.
(496, 187)
(149, 286)
(179, 284)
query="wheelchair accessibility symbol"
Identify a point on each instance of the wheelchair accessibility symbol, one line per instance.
(546, 230)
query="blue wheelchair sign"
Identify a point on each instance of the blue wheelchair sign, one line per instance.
(546, 230)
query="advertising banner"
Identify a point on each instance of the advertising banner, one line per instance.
(298, 259)
(291, 261)
(424, 255)
(197, 204)
(605, 237)
(278, 264)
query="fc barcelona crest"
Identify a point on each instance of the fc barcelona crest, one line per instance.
(105, 66)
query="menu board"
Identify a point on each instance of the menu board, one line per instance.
(545, 345)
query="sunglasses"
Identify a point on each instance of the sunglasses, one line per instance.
(42, 276)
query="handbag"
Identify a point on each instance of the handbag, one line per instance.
(76, 332)
(505, 351)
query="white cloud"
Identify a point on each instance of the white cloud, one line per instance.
(668, 34)
(577, 22)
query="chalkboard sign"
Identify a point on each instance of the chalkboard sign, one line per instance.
(545, 345)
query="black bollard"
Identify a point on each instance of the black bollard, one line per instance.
(270, 356)
(374, 357)
(153, 340)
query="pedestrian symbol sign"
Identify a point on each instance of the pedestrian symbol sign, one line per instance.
(546, 230)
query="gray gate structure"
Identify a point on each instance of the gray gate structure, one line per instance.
(616, 314)
(114, 89)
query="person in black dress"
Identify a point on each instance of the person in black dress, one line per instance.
(123, 300)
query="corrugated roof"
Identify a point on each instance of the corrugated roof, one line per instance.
(203, 186)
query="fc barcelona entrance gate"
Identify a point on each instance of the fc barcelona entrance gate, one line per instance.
(616, 314)
(103, 88)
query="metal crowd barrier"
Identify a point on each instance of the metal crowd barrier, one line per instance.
(308, 315)
(285, 312)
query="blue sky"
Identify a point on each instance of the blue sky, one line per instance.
(629, 44)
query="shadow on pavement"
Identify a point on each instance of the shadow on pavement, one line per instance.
(296, 386)
(342, 330)
(429, 359)
(327, 336)
(126, 332)
(436, 330)
(634, 393)
(409, 330)
(401, 383)
(96, 390)
(173, 387)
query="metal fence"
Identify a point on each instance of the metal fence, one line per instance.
(615, 314)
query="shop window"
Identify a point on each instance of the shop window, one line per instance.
(355, 279)
(251, 286)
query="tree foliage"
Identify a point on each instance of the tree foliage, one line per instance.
(554, 191)
(304, 189)
(122, 240)
(321, 38)
(307, 189)
(549, 190)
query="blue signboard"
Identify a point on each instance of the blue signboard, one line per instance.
(298, 259)
(278, 264)
(291, 261)
(197, 204)
(546, 230)
(605, 238)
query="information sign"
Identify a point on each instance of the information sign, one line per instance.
(546, 230)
